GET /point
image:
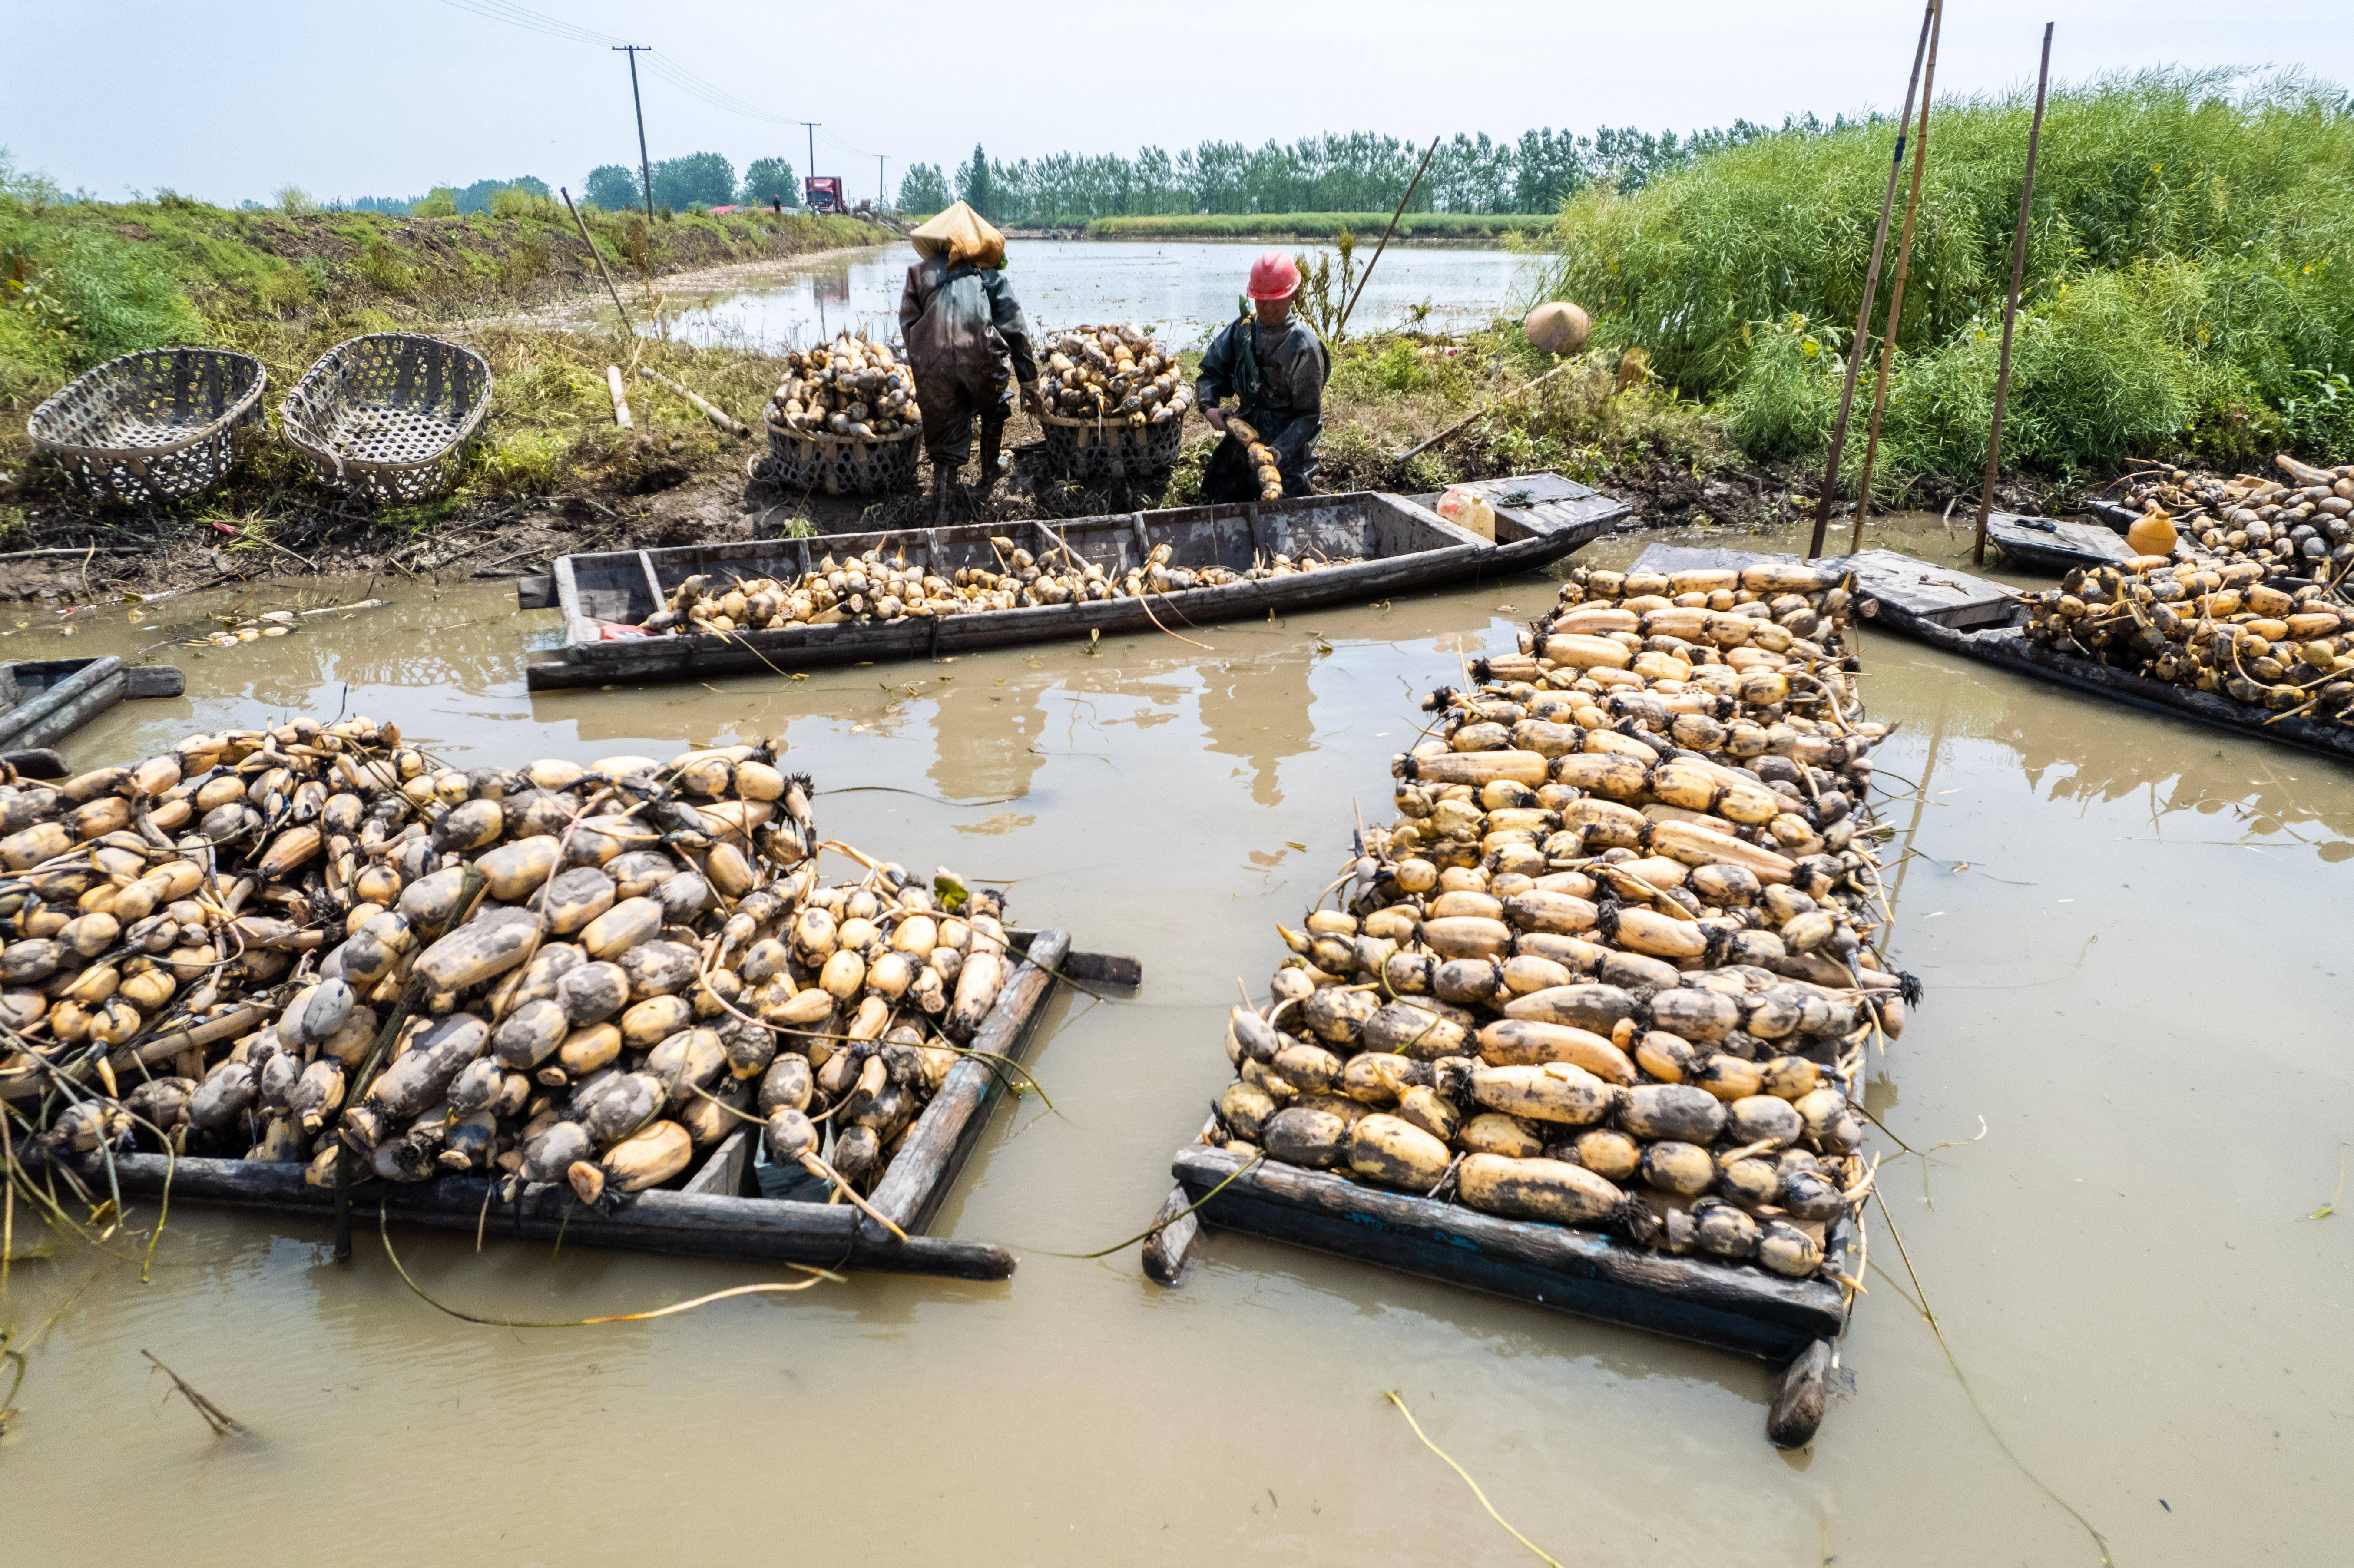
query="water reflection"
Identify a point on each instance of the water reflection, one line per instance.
(985, 739)
(1258, 709)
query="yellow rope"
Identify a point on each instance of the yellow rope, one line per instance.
(1392, 1396)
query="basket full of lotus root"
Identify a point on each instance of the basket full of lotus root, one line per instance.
(1115, 403)
(844, 420)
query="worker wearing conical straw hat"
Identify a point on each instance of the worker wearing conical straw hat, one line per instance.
(1275, 366)
(962, 325)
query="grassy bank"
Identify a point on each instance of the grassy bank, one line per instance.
(2189, 284)
(82, 282)
(1454, 226)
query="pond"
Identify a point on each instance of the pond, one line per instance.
(2128, 1085)
(1182, 289)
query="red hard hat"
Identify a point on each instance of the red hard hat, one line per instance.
(1274, 276)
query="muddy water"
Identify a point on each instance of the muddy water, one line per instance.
(1185, 289)
(2128, 929)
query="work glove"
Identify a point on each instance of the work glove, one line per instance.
(1030, 399)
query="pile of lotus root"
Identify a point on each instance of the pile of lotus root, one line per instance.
(1113, 373)
(868, 587)
(1612, 966)
(2297, 527)
(851, 387)
(313, 944)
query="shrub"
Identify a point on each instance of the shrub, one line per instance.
(2184, 271)
(2319, 424)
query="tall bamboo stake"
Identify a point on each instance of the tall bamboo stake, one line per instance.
(1896, 289)
(1871, 287)
(2011, 310)
(599, 259)
(1362, 278)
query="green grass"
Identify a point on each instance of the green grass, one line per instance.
(1319, 226)
(2191, 270)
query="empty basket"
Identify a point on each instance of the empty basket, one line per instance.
(389, 416)
(151, 426)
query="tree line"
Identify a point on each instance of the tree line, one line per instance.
(698, 179)
(1356, 171)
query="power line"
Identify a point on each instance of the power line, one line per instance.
(660, 64)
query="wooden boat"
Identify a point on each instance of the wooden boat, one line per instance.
(2055, 546)
(713, 1215)
(1384, 545)
(43, 701)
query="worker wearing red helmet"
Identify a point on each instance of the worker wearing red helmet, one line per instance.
(1275, 366)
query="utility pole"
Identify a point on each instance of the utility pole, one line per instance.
(882, 182)
(645, 164)
(811, 172)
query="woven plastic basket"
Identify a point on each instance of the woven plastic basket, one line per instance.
(840, 465)
(389, 416)
(151, 426)
(1110, 449)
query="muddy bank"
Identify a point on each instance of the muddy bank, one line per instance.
(683, 502)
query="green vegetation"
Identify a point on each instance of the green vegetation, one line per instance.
(82, 281)
(2187, 282)
(1357, 171)
(1321, 225)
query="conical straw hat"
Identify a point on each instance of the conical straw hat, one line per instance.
(962, 236)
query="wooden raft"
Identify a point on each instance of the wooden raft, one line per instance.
(711, 1217)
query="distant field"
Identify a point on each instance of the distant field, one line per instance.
(1318, 226)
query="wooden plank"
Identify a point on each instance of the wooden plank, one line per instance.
(1799, 1396)
(1940, 595)
(2054, 544)
(1737, 1309)
(537, 592)
(1117, 971)
(679, 1225)
(724, 1170)
(1169, 1249)
(912, 1190)
(143, 683)
(654, 581)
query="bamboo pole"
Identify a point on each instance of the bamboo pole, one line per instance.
(1362, 278)
(1871, 287)
(2011, 310)
(1490, 406)
(593, 256)
(1896, 289)
(717, 416)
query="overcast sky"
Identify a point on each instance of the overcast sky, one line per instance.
(231, 99)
